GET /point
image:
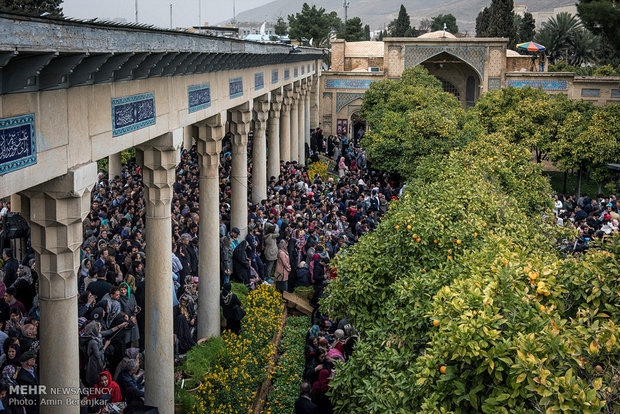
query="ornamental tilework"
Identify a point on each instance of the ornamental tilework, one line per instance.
(274, 76)
(259, 81)
(347, 83)
(495, 83)
(544, 85)
(17, 143)
(199, 97)
(287, 74)
(343, 99)
(295, 71)
(235, 87)
(474, 55)
(303, 69)
(132, 113)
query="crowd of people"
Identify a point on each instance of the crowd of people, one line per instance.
(292, 236)
(593, 218)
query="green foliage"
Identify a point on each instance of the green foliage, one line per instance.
(401, 26)
(280, 28)
(526, 28)
(233, 374)
(409, 119)
(602, 70)
(201, 359)
(34, 7)
(450, 21)
(601, 16)
(288, 373)
(366, 32)
(589, 140)
(313, 23)
(352, 30)
(566, 39)
(497, 21)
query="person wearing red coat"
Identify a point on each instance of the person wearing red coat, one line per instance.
(107, 386)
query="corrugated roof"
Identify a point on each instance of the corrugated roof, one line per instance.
(363, 49)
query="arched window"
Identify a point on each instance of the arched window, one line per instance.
(450, 88)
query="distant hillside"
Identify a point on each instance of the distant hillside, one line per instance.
(378, 13)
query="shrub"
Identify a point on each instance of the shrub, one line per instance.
(288, 373)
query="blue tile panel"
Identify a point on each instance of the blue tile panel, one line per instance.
(274, 76)
(615, 93)
(473, 55)
(343, 99)
(495, 83)
(259, 81)
(17, 143)
(303, 69)
(296, 71)
(235, 87)
(590, 92)
(199, 97)
(539, 84)
(287, 74)
(132, 113)
(308, 68)
(347, 83)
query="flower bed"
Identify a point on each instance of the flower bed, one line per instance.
(231, 384)
(288, 373)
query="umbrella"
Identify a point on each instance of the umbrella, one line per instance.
(531, 47)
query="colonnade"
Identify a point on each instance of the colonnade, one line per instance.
(56, 209)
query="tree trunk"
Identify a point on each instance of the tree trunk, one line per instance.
(565, 181)
(579, 183)
(600, 188)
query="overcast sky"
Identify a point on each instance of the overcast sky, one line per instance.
(157, 12)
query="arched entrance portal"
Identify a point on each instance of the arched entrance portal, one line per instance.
(457, 77)
(358, 127)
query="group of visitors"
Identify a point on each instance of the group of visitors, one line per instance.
(593, 218)
(326, 342)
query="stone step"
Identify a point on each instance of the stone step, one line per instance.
(295, 302)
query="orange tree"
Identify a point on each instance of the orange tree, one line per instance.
(409, 119)
(464, 304)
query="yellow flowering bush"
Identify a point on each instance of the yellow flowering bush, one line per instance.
(231, 385)
(318, 168)
(288, 373)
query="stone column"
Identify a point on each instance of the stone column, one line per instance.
(307, 117)
(188, 133)
(114, 165)
(158, 159)
(16, 203)
(57, 210)
(209, 146)
(314, 102)
(301, 135)
(259, 150)
(239, 127)
(273, 160)
(295, 125)
(285, 127)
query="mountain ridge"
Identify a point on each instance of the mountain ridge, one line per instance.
(378, 14)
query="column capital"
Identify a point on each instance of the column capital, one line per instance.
(276, 106)
(57, 209)
(240, 118)
(158, 159)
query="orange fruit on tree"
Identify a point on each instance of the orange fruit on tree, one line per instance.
(408, 226)
(475, 234)
(435, 241)
(435, 322)
(458, 241)
(418, 240)
(397, 227)
(442, 369)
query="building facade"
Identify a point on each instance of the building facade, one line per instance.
(466, 67)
